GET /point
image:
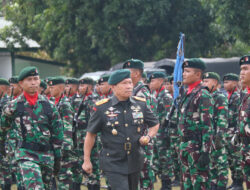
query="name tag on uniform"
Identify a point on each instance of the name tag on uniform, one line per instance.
(137, 115)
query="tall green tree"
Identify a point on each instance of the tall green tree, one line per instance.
(95, 34)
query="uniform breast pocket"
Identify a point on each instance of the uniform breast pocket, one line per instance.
(44, 126)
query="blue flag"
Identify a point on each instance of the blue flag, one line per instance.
(178, 67)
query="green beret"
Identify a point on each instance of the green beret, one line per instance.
(170, 78)
(43, 84)
(103, 78)
(87, 81)
(144, 75)
(4, 82)
(72, 81)
(56, 80)
(157, 75)
(119, 76)
(13, 80)
(231, 76)
(47, 79)
(194, 63)
(245, 60)
(211, 75)
(27, 72)
(133, 64)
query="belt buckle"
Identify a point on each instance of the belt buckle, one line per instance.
(127, 146)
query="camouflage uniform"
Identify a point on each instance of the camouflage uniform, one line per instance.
(10, 146)
(244, 119)
(39, 139)
(74, 102)
(69, 158)
(5, 165)
(164, 101)
(195, 129)
(82, 120)
(219, 169)
(234, 155)
(174, 142)
(147, 174)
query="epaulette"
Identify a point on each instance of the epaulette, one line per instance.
(103, 101)
(139, 98)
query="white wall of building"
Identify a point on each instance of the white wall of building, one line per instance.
(5, 65)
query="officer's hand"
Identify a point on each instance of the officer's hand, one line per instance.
(57, 165)
(87, 167)
(204, 160)
(144, 140)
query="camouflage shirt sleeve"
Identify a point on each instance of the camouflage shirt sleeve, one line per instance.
(164, 105)
(245, 117)
(206, 124)
(221, 116)
(234, 104)
(66, 113)
(6, 118)
(57, 131)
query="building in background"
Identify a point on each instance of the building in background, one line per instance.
(11, 62)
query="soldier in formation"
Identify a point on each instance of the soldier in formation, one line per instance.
(162, 142)
(121, 157)
(219, 160)
(44, 125)
(39, 132)
(244, 119)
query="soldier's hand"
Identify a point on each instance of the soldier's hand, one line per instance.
(87, 167)
(144, 140)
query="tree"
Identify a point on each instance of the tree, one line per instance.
(95, 34)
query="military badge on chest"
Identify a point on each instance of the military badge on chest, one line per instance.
(112, 119)
(137, 116)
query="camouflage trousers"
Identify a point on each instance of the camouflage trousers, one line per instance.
(234, 161)
(147, 175)
(6, 171)
(35, 175)
(65, 175)
(163, 157)
(219, 167)
(78, 173)
(174, 147)
(10, 148)
(245, 164)
(193, 176)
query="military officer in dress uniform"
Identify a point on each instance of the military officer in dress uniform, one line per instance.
(136, 68)
(119, 120)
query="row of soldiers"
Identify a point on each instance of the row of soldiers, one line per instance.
(196, 144)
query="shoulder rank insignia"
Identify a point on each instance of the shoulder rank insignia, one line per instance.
(139, 98)
(103, 101)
